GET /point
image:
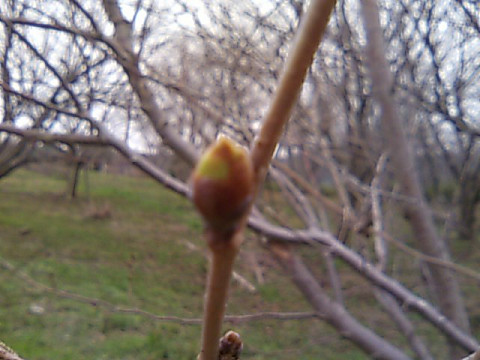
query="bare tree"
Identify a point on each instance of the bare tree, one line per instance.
(446, 286)
(437, 80)
(145, 75)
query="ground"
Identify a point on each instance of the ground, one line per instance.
(69, 266)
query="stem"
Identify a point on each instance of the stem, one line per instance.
(301, 56)
(224, 248)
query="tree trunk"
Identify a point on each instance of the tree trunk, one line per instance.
(417, 211)
(14, 155)
(75, 178)
(469, 198)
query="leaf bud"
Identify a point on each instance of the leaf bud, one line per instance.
(222, 184)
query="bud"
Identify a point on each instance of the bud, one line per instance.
(223, 184)
(230, 346)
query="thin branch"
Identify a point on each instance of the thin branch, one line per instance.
(446, 286)
(48, 137)
(130, 62)
(368, 270)
(43, 104)
(329, 204)
(332, 312)
(299, 202)
(89, 35)
(304, 48)
(8, 354)
(326, 239)
(388, 302)
(395, 311)
(96, 302)
(299, 60)
(104, 137)
(50, 67)
(474, 356)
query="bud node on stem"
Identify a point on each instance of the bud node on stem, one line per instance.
(222, 184)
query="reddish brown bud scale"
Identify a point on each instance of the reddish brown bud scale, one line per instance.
(223, 184)
(230, 346)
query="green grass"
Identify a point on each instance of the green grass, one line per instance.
(135, 256)
(127, 241)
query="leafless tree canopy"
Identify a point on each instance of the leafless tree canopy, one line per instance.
(386, 127)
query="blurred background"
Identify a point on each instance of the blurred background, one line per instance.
(104, 108)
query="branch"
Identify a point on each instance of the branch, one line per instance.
(43, 104)
(354, 221)
(7, 354)
(304, 48)
(48, 137)
(332, 312)
(123, 47)
(419, 214)
(104, 137)
(129, 61)
(474, 356)
(395, 311)
(315, 237)
(368, 270)
(299, 60)
(388, 302)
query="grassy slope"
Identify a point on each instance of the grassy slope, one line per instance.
(137, 257)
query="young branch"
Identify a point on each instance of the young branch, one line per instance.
(299, 60)
(221, 265)
(300, 237)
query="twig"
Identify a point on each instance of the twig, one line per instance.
(241, 280)
(368, 270)
(351, 219)
(332, 312)
(299, 60)
(224, 251)
(388, 302)
(474, 356)
(7, 354)
(315, 236)
(235, 319)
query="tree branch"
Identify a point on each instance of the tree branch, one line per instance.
(313, 237)
(7, 354)
(419, 214)
(332, 312)
(312, 28)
